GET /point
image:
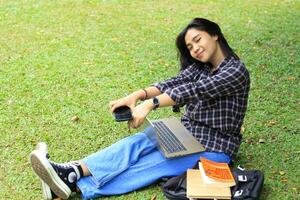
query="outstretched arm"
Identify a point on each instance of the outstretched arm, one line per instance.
(132, 99)
(155, 90)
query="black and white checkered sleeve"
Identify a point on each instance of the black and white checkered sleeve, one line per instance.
(229, 81)
(183, 77)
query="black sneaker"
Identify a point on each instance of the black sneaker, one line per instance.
(61, 178)
(48, 194)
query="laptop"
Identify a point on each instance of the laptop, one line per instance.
(171, 137)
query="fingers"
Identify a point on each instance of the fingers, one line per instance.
(132, 106)
(121, 102)
(140, 123)
(115, 104)
(135, 122)
(129, 128)
(129, 123)
(111, 105)
(132, 124)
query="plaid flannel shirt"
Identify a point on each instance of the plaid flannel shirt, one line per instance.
(215, 103)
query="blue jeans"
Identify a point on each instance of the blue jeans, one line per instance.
(132, 163)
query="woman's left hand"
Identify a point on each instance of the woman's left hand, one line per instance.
(140, 113)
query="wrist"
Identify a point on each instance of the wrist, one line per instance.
(139, 95)
(149, 104)
(155, 103)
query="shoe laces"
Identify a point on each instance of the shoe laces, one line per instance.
(65, 165)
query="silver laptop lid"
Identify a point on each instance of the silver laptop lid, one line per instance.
(186, 143)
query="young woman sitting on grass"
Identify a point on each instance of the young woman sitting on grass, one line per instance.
(213, 84)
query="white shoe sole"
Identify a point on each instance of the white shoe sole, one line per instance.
(46, 191)
(46, 172)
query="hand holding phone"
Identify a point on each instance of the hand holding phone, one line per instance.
(122, 114)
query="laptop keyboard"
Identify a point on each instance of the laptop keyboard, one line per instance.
(168, 140)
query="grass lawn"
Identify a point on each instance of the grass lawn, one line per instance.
(60, 59)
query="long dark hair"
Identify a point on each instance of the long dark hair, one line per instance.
(212, 29)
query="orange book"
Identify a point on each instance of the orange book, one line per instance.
(217, 171)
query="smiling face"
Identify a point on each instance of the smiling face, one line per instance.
(202, 46)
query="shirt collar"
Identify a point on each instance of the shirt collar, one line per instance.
(221, 65)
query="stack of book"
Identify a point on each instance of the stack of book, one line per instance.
(212, 181)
